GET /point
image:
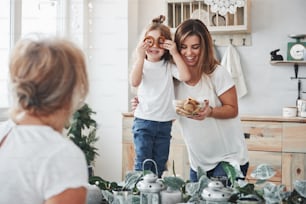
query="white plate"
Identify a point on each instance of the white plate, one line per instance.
(221, 20)
(200, 14)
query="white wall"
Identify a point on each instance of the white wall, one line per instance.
(116, 26)
(270, 87)
(108, 68)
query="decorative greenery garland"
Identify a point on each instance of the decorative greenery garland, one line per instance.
(82, 131)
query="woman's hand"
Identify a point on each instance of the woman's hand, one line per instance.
(228, 109)
(134, 103)
(203, 112)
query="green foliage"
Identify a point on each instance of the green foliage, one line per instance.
(173, 168)
(82, 131)
(191, 191)
(200, 172)
(131, 179)
(230, 171)
(174, 183)
(103, 184)
(195, 189)
(295, 198)
(247, 189)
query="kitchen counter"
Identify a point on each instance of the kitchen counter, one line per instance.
(274, 140)
(272, 119)
(255, 118)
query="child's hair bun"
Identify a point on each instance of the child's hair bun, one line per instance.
(159, 19)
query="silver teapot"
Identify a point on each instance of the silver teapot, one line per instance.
(150, 182)
(216, 192)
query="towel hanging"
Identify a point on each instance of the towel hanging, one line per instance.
(231, 61)
(217, 54)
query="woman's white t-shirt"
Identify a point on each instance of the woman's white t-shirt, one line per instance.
(37, 163)
(156, 92)
(212, 140)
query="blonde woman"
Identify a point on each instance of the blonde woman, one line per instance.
(37, 164)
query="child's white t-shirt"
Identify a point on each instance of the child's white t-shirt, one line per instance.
(156, 92)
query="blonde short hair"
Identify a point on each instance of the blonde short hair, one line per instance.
(48, 74)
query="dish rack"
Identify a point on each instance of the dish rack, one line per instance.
(180, 10)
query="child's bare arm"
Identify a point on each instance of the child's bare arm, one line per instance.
(184, 74)
(136, 73)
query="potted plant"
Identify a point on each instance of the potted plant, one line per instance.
(82, 131)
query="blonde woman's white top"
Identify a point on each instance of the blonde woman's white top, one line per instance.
(37, 163)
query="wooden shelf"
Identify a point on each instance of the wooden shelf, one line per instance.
(288, 62)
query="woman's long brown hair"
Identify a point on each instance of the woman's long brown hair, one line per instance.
(207, 61)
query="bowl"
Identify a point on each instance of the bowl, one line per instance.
(187, 107)
(289, 112)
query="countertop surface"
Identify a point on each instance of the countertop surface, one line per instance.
(255, 118)
(272, 118)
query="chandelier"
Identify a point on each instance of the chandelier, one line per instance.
(224, 6)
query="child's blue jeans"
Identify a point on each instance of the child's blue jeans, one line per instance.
(151, 141)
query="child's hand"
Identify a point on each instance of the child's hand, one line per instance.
(134, 103)
(141, 49)
(171, 46)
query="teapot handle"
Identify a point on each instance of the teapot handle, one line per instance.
(150, 160)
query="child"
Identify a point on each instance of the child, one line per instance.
(157, 62)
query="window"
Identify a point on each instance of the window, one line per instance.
(19, 18)
(4, 51)
(39, 16)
